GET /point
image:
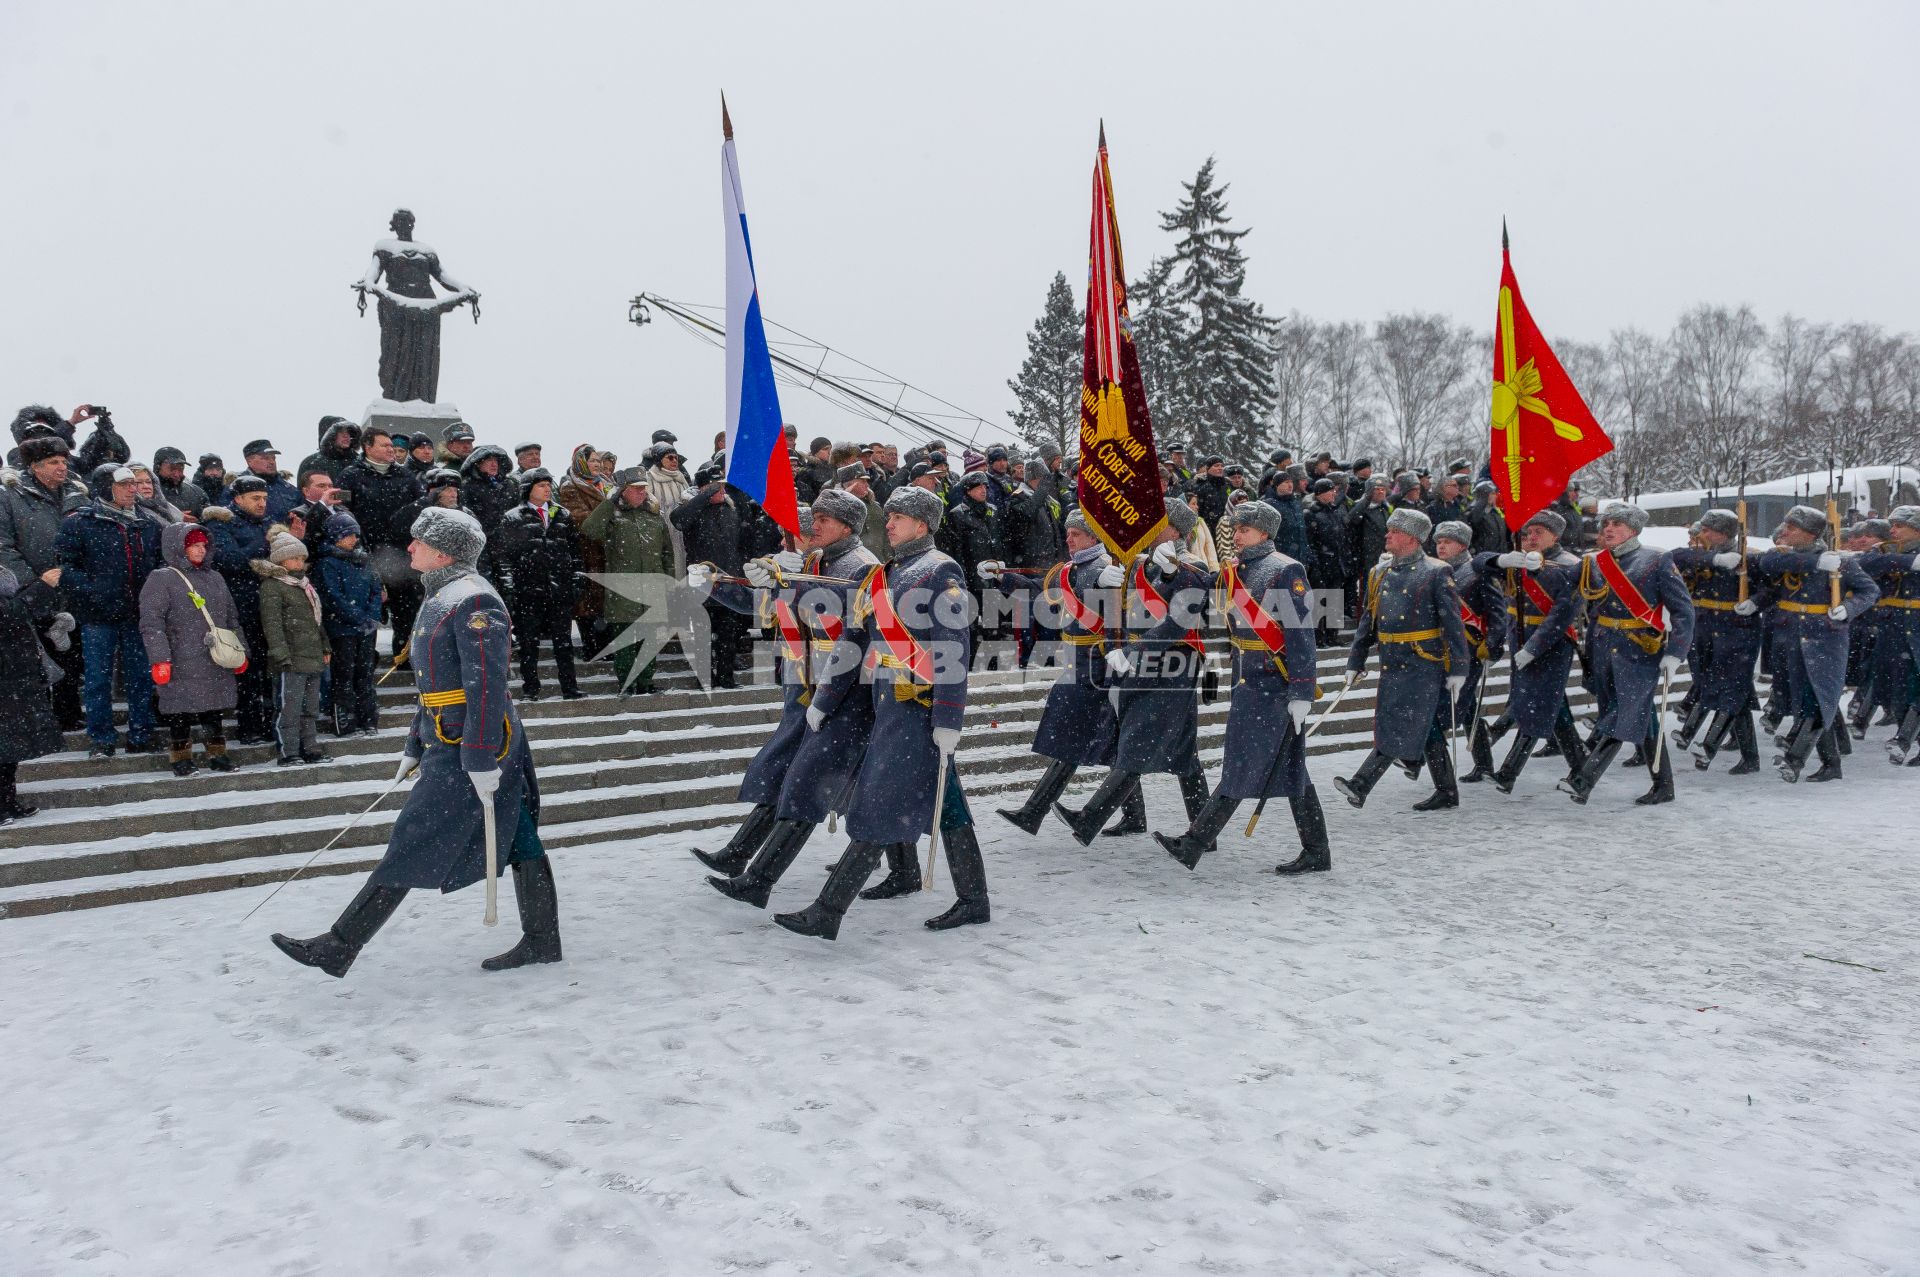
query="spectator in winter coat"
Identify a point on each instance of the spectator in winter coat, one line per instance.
(1000, 481)
(31, 507)
(710, 527)
(239, 532)
(540, 566)
(170, 468)
(1291, 538)
(1490, 532)
(378, 487)
(1567, 505)
(339, 448)
(179, 605)
(318, 501)
(263, 463)
(1211, 489)
(147, 499)
(211, 479)
(817, 471)
(632, 539)
(298, 649)
(1327, 532)
(350, 597)
(443, 490)
(1033, 528)
(666, 476)
(1367, 525)
(489, 492)
(582, 491)
(420, 458)
(854, 481)
(1360, 479)
(976, 528)
(26, 705)
(106, 552)
(456, 445)
(526, 456)
(1449, 504)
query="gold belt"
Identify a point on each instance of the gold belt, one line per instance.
(1714, 605)
(1085, 640)
(1810, 609)
(1631, 626)
(1910, 603)
(1407, 636)
(1623, 622)
(440, 700)
(1249, 644)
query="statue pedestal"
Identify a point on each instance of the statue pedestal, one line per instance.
(414, 417)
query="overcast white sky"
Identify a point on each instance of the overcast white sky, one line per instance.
(193, 186)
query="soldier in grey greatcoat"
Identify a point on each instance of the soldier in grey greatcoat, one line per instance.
(1411, 611)
(1483, 604)
(1895, 568)
(467, 747)
(1726, 642)
(1544, 606)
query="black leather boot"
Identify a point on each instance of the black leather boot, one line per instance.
(776, 856)
(1446, 793)
(1831, 744)
(1843, 741)
(822, 917)
(1355, 788)
(1133, 815)
(539, 907)
(1316, 854)
(1902, 743)
(1660, 767)
(1580, 784)
(1481, 746)
(1030, 815)
(1572, 748)
(1712, 743)
(1501, 726)
(1516, 760)
(1696, 716)
(1194, 795)
(903, 874)
(1749, 742)
(1087, 822)
(335, 951)
(1798, 747)
(746, 840)
(969, 873)
(1200, 838)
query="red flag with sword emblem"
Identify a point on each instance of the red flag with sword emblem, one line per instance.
(1542, 430)
(1119, 483)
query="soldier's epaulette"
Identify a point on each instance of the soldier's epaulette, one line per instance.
(863, 597)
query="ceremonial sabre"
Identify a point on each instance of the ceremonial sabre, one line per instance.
(493, 862)
(329, 847)
(1660, 720)
(933, 835)
(1327, 713)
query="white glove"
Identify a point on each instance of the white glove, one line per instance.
(1166, 556)
(1531, 560)
(789, 561)
(1386, 557)
(699, 575)
(1829, 561)
(1838, 612)
(485, 783)
(1113, 698)
(1298, 711)
(946, 740)
(990, 570)
(1353, 677)
(1671, 664)
(1911, 567)
(1523, 658)
(758, 574)
(1111, 575)
(1727, 559)
(1118, 662)
(1745, 607)
(1454, 683)
(1511, 559)
(409, 763)
(815, 717)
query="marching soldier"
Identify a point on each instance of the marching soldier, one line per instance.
(1726, 594)
(1626, 586)
(1078, 727)
(468, 748)
(1154, 671)
(914, 610)
(1483, 612)
(1544, 607)
(1412, 612)
(1863, 636)
(1895, 568)
(838, 714)
(1268, 604)
(1810, 635)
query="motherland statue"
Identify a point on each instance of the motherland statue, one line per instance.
(409, 312)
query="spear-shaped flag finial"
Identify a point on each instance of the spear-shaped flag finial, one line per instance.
(1503, 229)
(1103, 133)
(726, 121)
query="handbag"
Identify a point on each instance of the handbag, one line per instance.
(225, 646)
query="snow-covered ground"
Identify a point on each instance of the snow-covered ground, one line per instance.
(1519, 1038)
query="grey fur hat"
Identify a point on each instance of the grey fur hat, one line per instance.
(806, 521)
(1048, 450)
(1077, 522)
(916, 503)
(838, 503)
(1625, 512)
(1906, 514)
(1807, 519)
(1453, 530)
(454, 533)
(972, 479)
(1552, 520)
(1725, 522)
(1878, 529)
(1036, 471)
(1181, 516)
(848, 473)
(1257, 515)
(1410, 521)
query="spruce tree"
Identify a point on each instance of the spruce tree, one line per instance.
(1225, 367)
(1160, 342)
(1048, 387)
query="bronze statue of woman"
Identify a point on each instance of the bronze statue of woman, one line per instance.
(409, 311)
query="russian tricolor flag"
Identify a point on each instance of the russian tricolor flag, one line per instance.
(756, 444)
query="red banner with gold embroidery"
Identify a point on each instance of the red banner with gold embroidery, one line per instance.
(1119, 477)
